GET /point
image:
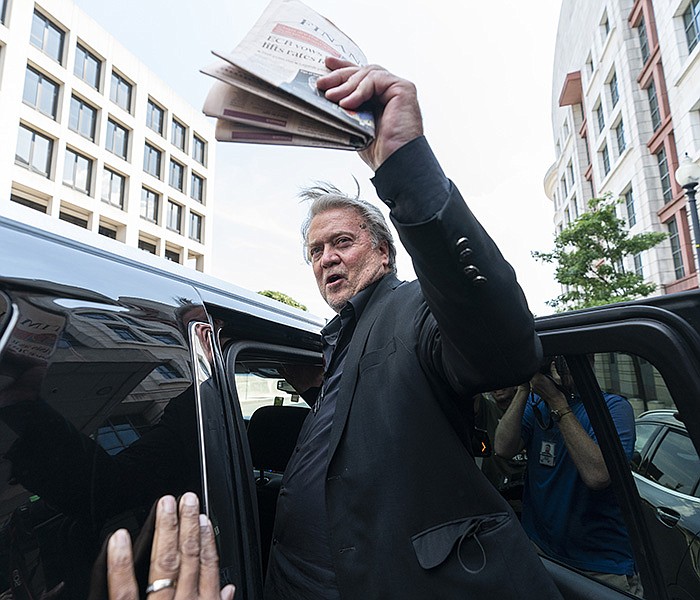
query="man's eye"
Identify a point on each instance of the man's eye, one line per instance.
(343, 241)
(314, 252)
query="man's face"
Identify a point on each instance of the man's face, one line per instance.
(504, 396)
(342, 256)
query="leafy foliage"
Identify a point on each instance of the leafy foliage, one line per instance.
(589, 254)
(280, 297)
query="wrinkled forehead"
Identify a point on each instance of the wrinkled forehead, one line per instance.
(334, 221)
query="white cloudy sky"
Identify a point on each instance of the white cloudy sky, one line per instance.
(483, 72)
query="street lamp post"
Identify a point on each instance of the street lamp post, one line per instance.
(688, 177)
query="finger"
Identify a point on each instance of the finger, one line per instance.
(164, 553)
(209, 560)
(121, 581)
(336, 78)
(334, 62)
(227, 592)
(188, 579)
(362, 85)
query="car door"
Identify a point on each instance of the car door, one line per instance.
(649, 355)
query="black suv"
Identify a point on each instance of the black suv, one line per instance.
(122, 379)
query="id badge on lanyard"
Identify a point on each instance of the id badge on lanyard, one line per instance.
(548, 454)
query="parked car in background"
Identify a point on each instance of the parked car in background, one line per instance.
(123, 378)
(667, 473)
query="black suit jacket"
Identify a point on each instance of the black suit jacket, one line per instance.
(410, 514)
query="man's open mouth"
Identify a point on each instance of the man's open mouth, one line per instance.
(333, 279)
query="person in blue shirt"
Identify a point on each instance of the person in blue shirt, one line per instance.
(569, 509)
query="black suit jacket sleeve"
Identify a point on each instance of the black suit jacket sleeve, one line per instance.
(476, 330)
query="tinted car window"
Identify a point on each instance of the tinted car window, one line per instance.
(675, 464)
(644, 432)
(92, 432)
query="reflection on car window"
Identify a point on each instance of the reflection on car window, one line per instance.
(92, 432)
(675, 464)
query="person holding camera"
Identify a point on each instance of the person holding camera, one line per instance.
(569, 510)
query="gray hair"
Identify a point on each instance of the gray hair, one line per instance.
(325, 196)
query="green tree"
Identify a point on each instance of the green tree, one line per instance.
(280, 297)
(589, 257)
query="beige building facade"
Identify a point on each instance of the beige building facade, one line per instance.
(625, 108)
(92, 139)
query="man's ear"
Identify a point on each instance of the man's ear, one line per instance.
(384, 249)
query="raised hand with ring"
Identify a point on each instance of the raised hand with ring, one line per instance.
(184, 560)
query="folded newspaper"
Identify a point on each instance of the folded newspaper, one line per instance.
(266, 93)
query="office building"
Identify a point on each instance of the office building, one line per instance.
(92, 137)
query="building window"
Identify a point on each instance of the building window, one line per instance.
(643, 41)
(574, 207)
(620, 135)
(117, 139)
(599, 117)
(47, 37)
(174, 217)
(107, 231)
(30, 203)
(177, 175)
(199, 150)
(40, 92)
(197, 188)
(676, 252)
(87, 67)
(691, 21)
(83, 118)
(125, 333)
(173, 256)
(147, 247)
(155, 116)
(567, 215)
(606, 159)
(196, 226)
(570, 172)
(151, 160)
(178, 135)
(664, 175)
(149, 205)
(113, 187)
(34, 151)
(605, 26)
(654, 106)
(565, 129)
(77, 171)
(590, 66)
(167, 371)
(614, 92)
(638, 268)
(629, 204)
(73, 219)
(3, 10)
(120, 92)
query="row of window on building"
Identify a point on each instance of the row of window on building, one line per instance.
(34, 152)
(49, 38)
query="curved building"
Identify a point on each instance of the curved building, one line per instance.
(625, 107)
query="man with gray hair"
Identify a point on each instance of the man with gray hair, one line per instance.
(382, 498)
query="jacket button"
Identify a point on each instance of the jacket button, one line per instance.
(275, 541)
(462, 244)
(465, 255)
(479, 281)
(471, 271)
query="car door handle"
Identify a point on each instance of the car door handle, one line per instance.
(667, 516)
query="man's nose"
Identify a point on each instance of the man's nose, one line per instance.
(330, 256)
